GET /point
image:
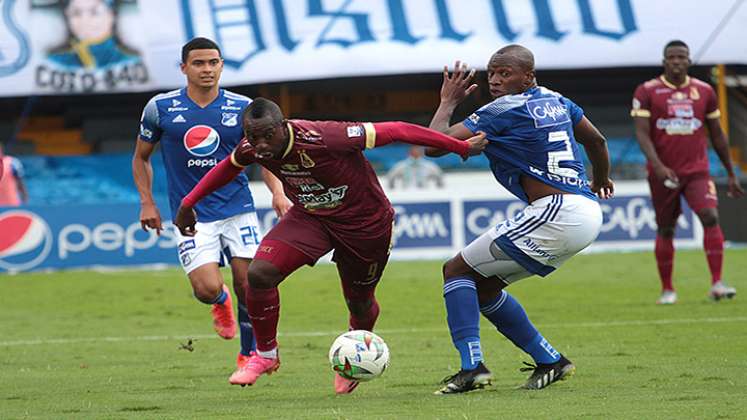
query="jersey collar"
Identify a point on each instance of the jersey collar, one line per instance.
(669, 84)
(290, 141)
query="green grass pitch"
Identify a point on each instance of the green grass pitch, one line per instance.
(94, 345)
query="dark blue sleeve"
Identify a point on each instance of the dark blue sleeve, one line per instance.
(486, 119)
(150, 130)
(575, 111)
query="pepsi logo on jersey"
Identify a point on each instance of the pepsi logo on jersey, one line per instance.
(201, 140)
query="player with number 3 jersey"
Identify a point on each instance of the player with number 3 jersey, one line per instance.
(533, 152)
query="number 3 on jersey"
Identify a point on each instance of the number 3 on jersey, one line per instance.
(554, 158)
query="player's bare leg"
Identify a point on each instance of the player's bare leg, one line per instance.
(664, 252)
(713, 245)
(239, 269)
(208, 287)
(263, 306)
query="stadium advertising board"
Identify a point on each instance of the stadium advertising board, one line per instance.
(84, 46)
(434, 224)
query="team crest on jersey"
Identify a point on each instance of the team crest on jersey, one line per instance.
(306, 161)
(547, 112)
(230, 119)
(694, 93)
(201, 140)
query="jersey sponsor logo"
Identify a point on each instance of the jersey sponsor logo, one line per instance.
(177, 109)
(328, 200)
(26, 240)
(201, 140)
(636, 103)
(290, 167)
(547, 112)
(229, 119)
(179, 119)
(202, 163)
(679, 126)
(187, 245)
(474, 118)
(355, 131)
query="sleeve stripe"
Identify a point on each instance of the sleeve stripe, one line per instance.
(714, 114)
(370, 135)
(640, 113)
(234, 162)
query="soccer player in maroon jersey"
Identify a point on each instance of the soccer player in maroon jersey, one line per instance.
(338, 205)
(671, 113)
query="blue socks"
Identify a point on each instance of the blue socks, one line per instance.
(463, 317)
(511, 320)
(246, 331)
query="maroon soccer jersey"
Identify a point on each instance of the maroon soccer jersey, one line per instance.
(324, 172)
(677, 115)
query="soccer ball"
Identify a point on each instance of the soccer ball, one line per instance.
(359, 355)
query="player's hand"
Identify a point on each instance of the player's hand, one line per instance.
(150, 218)
(281, 204)
(735, 188)
(457, 85)
(603, 189)
(185, 220)
(477, 144)
(665, 174)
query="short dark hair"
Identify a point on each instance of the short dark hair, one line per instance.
(262, 108)
(675, 43)
(198, 43)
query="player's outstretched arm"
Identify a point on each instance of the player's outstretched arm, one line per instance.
(721, 146)
(596, 148)
(142, 173)
(454, 89)
(388, 132)
(217, 177)
(280, 202)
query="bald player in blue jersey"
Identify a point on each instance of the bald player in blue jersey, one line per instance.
(533, 152)
(197, 127)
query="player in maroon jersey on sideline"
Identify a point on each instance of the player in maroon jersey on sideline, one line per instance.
(338, 205)
(670, 114)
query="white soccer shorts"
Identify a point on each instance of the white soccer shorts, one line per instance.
(237, 236)
(538, 240)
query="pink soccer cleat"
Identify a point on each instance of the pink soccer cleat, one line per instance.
(224, 321)
(344, 386)
(253, 369)
(241, 360)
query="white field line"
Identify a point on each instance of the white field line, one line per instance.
(653, 322)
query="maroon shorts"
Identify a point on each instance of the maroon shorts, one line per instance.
(300, 238)
(699, 192)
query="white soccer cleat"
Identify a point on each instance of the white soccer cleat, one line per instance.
(719, 291)
(668, 297)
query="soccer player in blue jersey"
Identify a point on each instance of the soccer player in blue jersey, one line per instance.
(533, 152)
(197, 127)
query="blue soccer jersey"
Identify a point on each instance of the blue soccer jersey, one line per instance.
(193, 140)
(531, 134)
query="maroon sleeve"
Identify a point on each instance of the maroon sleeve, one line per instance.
(388, 132)
(641, 102)
(341, 136)
(711, 108)
(220, 175)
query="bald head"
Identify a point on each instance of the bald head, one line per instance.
(514, 55)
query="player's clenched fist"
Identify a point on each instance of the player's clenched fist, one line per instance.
(185, 220)
(477, 144)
